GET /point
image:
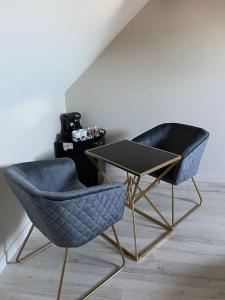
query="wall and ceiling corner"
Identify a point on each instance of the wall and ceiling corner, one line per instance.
(167, 65)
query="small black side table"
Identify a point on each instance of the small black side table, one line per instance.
(87, 173)
(138, 160)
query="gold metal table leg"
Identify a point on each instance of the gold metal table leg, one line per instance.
(154, 207)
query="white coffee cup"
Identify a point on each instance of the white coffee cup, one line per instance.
(83, 133)
(76, 134)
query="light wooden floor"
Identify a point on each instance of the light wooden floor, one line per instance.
(188, 265)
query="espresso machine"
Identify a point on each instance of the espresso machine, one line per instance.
(69, 123)
(66, 146)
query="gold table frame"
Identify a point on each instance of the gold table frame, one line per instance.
(134, 194)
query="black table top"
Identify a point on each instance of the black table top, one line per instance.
(134, 157)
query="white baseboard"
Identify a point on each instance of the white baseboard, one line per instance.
(11, 251)
(117, 174)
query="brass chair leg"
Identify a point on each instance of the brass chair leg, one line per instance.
(62, 274)
(32, 254)
(119, 246)
(99, 284)
(173, 207)
(197, 190)
(197, 205)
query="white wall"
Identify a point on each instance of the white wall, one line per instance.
(168, 65)
(47, 44)
(27, 133)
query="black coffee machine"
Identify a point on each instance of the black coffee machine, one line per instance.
(65, 146)
(69, 123)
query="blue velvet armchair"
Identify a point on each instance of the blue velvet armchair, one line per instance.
(185, 140)
(66, 212)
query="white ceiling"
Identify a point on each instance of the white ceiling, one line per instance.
(47, 44)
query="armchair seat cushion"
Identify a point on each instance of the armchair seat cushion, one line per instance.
(77, 185)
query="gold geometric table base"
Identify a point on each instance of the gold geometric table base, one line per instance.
(142, 252)
(132, 198)
(126, 155)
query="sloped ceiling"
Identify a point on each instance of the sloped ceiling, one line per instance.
(45, 45)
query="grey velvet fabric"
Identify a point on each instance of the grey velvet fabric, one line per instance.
(67, 213)
(185, 140)
(50, 175)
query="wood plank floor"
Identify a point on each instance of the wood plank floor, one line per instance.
(188, 265)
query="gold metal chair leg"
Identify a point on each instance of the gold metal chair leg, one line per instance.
(134, 231)
(32, 254)
(119, 246)
(197, 190)
(197, 205)
(62, 274)
(112, 274)
(173, 207)
(99, 284)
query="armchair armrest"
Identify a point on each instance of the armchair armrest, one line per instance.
(194, 145)
(189, 164)
(63, 196)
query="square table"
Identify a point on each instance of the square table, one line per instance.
(137, 160)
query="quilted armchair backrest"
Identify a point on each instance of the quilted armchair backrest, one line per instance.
(185, 140)
(189, 142)
(176, 138)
